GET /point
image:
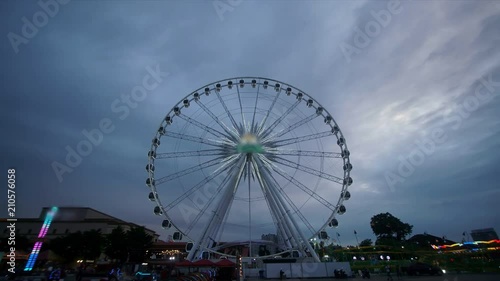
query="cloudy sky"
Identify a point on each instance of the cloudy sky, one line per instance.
(414, 86)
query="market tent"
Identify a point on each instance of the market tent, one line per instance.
(184, 263)
(225, 263)
(203, 262)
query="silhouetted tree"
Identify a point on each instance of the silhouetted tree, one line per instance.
(386, 226)
(366, 243)
(92, 244)
(116, 245)
(138, 242)
(68, 247)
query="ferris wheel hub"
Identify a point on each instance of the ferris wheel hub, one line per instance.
(249, 143)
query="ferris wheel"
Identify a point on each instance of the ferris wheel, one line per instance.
(249, 161)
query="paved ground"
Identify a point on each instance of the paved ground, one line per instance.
(446, 277)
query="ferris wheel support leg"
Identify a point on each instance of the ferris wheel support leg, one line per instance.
(279, 208)
(299, 232)
(219, 213)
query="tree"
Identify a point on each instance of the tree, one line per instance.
(67, 247)
(92, 244)
(87, 245)
(386, 226)
(22, 243)
(138, 242)
(366, 243)
(116, 245)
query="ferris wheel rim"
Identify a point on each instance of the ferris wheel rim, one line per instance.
(345, 160)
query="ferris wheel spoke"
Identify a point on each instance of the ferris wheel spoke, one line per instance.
(304, 188)
(298, 139)
(233, 134)
(190, 170)
(309, 170)
(277, 208)
(241, 105)
(292, 152)
(231, 118)
(204, 127)
(205, 152)
(292, 205)
(255, 108)
(297, 233)
(262, 124)
(221, 211)
(209, 203)
(206, 141)
(194, 189)
(292, 127)
(278, 121)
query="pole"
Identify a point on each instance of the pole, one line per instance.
(356, 235)
(340, 244)
(249, 209)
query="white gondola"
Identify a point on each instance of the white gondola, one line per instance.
(341, 210)
(150, 167)
(310, 102)
(196, 96)
(347, 195)
(333, 223)
(345, 153)
(254, 83)
(266, 83)
(152, 154)
(186, 103)
(335, 130)
(189, 246)
(242, 83)
(277, 87)
(288, 91)
(168, 119)
(152, 197)
(341, 141)
(348, 167)
(157, 211)
(161, 131)
(328, 119)
(177, 110)
(348, 181)
(218, 87)
(319, 110)
(230, 84)
(150, 182)
(156, 142)
(166, 224)
(207, 91)
(177, 236)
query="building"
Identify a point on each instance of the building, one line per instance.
(485, 234)
(427, 240)
(70, 220)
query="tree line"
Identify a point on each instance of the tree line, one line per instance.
(119, 245)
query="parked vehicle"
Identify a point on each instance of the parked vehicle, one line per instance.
(420, 268)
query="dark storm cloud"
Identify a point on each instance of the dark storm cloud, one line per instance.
(403, 84)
